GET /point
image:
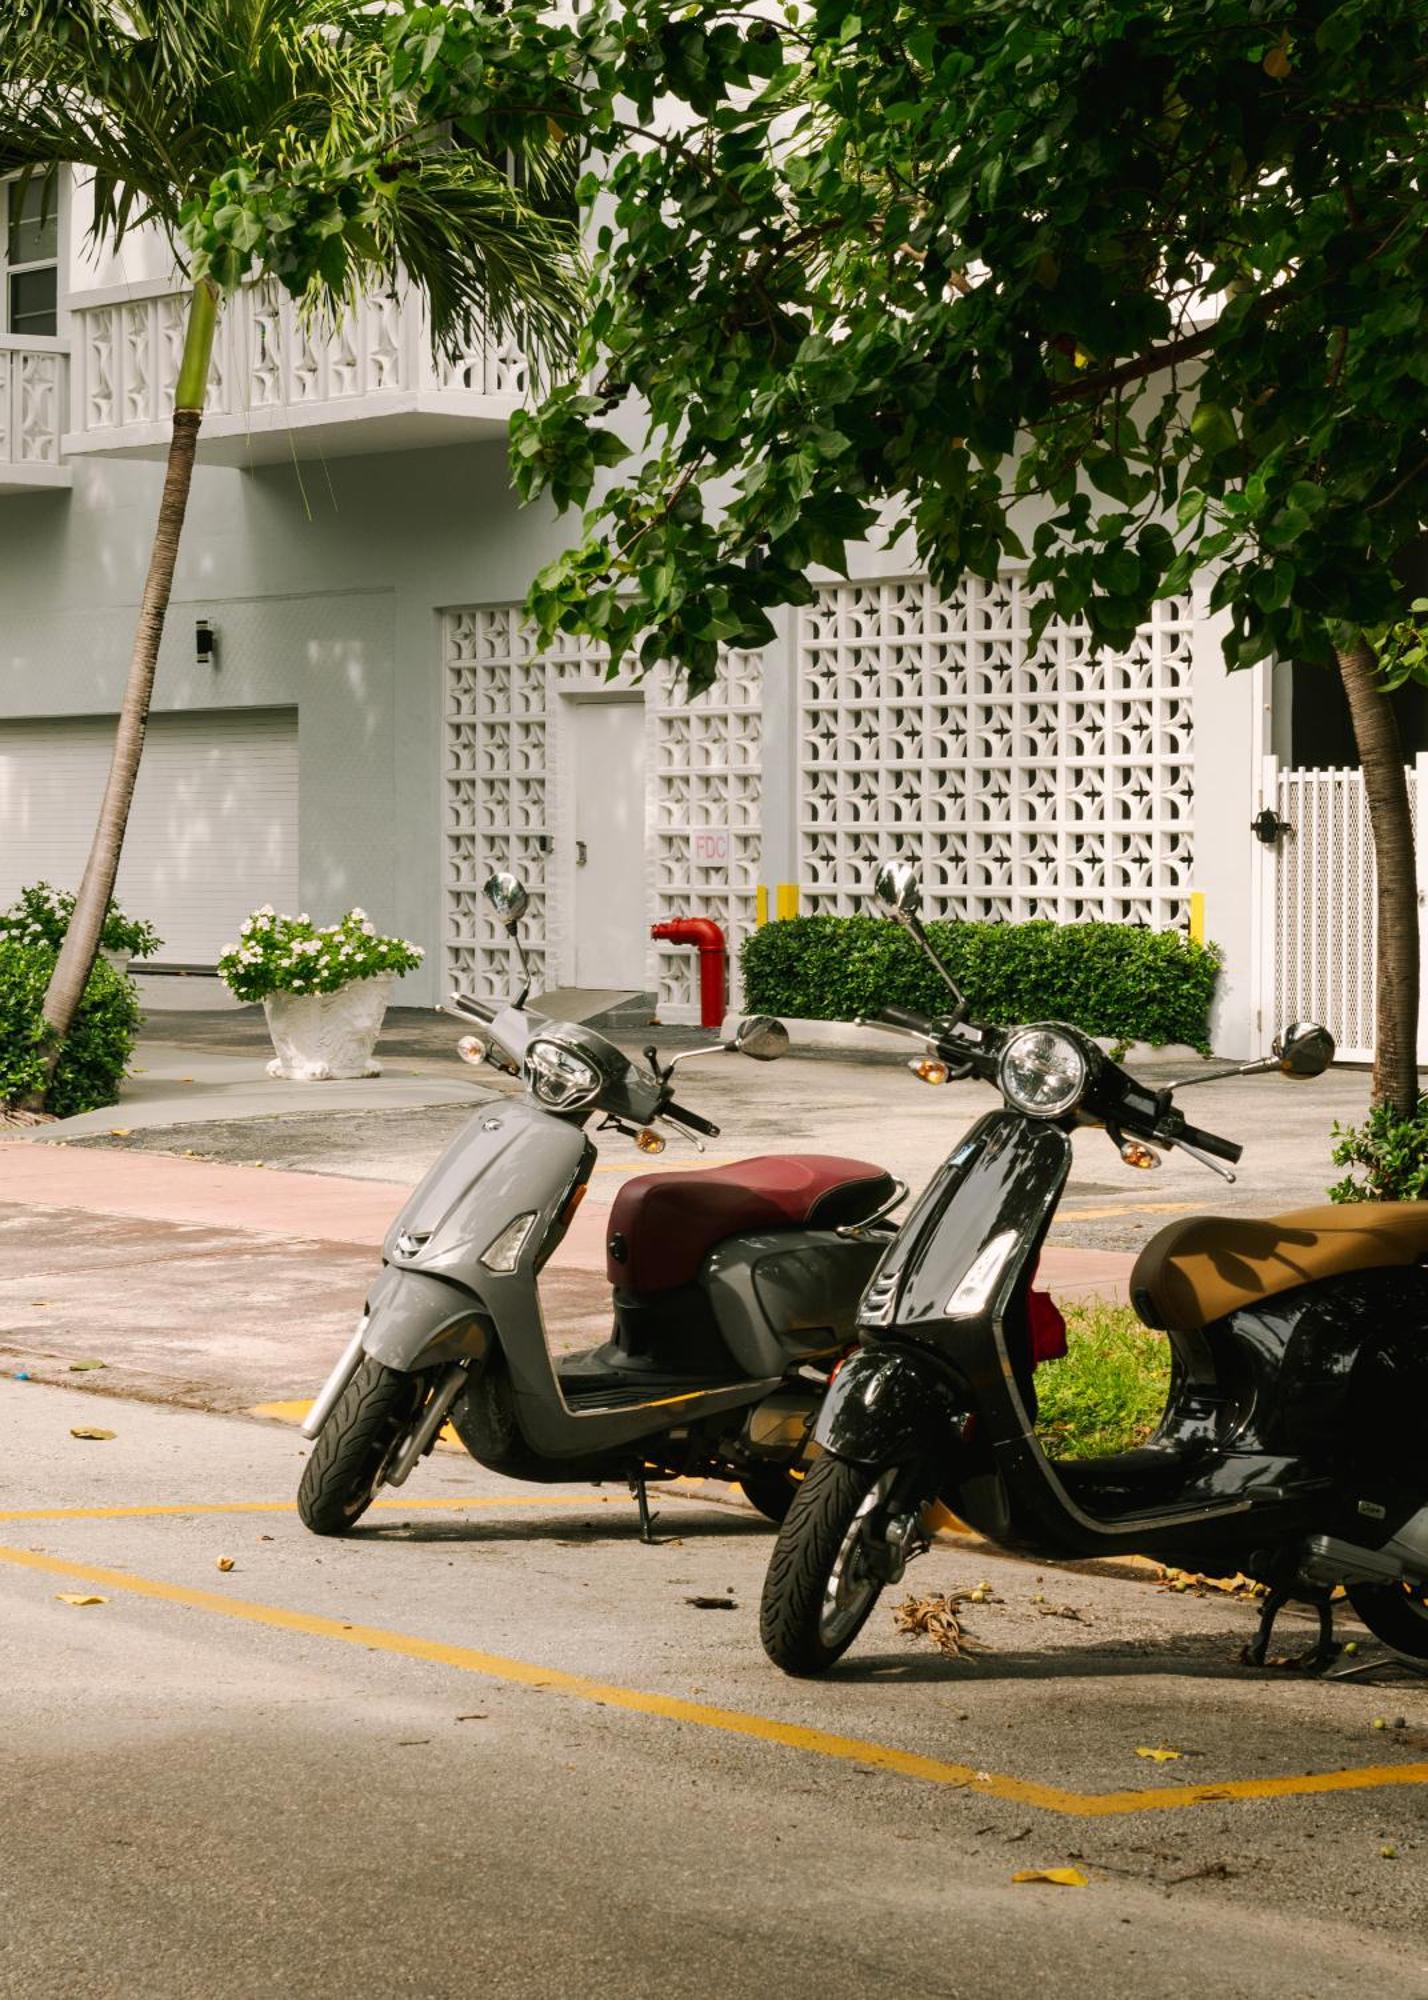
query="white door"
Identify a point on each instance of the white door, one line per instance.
(212, 831)
(611, 926)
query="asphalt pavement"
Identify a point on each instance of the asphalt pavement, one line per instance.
(492, 1743)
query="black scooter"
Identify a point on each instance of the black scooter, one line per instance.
(1291, 1447)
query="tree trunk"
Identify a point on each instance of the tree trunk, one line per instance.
(81, 941)
(1395, 1055)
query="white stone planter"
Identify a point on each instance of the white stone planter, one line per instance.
(120, 960)
(323, 1035)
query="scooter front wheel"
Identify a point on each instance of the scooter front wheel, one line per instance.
(823, 1581)
(355, 1445)
(1396, 1613)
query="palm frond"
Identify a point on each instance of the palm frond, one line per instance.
(162, 101)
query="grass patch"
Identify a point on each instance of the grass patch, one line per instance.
(1109, 1391)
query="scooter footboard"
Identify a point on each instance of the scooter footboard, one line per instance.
(418, 1321)
(889, 1407)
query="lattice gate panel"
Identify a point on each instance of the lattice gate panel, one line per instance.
(705, 817)
(1325, 920)
(502, 801)
(1047, 781)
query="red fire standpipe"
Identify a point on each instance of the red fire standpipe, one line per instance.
(713, 962)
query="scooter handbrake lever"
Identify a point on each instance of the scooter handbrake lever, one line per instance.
(1205, 1160)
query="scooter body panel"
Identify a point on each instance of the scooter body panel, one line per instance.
(417, 1321)
(887, 1406)
(788, 1295)
(512, 1159)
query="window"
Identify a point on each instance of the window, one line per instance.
(31, 256)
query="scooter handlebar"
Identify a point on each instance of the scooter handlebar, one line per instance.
(692, 1119)
(479, 1010)
(1209, 1142)
(901, 1017)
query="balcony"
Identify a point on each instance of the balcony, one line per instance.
(34, 386)
(279, 388)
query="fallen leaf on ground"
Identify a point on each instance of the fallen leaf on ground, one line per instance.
(77, 1597)
(79, 1367)
(225, 1563)
(712, 1603)
(1158, 1756)
(1061, 1878)
(1237, 1585)
(39, 1302)
(1061, 1611)
(120, 1131)
(476, 1715)
(935, 1618)
(85, 1431)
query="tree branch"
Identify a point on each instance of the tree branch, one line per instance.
(1168, 356)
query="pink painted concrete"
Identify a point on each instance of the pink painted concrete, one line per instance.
(326, 1208)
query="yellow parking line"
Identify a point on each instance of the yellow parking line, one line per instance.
(1068, 1212)
(731, 1721)
(289, 1506)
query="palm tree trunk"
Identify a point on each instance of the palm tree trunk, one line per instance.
(1395, 1055)
(81, 942)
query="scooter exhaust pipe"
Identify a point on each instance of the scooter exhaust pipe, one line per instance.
(432, 1418)
(336, 1382)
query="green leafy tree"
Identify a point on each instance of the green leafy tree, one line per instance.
(1132, 288)
(272, 139)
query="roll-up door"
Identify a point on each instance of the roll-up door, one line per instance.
(213, 831)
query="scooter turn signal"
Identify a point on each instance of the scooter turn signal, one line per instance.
(927, 1069)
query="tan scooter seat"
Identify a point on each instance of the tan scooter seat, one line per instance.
(1198, 1270)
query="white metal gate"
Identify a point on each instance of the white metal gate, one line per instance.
(1319, 957)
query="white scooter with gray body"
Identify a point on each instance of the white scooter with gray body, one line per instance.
(733, 1289)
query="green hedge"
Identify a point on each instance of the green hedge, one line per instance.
(1112, 980)
(100, 1043)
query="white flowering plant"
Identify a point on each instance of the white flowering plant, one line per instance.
(278, 954)
(40, 915)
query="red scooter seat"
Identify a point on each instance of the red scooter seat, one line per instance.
(663, 1226)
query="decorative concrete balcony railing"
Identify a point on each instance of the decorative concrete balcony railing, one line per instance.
(279, 386)
(34, 389)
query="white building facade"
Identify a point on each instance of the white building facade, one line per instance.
(372, 723)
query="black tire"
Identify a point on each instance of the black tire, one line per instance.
(1396, 1613)
(341, 1478)
(802, 1622)
(772, 1490)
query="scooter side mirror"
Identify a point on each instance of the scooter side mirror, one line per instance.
(897, 890)
(762, 1037)
(508, 898)
(1304, 1049)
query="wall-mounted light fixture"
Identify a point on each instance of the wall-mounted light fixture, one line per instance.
(205, 644)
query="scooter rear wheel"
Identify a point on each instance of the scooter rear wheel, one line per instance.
(1396, 1613)
(355, 1445)
(821, 1588)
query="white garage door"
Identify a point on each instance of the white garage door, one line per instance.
(212, 832)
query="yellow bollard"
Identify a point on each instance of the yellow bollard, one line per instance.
(786, 900)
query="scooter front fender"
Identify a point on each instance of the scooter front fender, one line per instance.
(888, 1406)
(418, 1321)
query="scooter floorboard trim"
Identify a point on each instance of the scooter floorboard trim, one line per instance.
(737, 1722)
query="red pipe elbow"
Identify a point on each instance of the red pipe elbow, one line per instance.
(706, 936)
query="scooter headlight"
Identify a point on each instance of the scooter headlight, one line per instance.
(559, 1077)
(1042, 1072)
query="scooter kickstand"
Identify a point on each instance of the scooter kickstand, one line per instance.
(647, 1519)
(1324, 1652)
